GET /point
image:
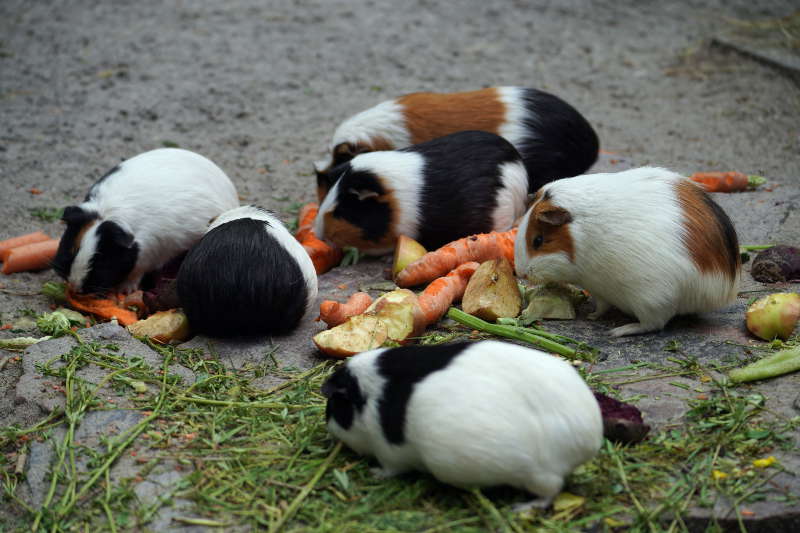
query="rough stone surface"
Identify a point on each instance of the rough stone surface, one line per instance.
(259, 88)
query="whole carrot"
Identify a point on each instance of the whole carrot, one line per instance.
(437, 297)
(730, 181)
(36, 256)
(305, 220)
(14, 242)
(479, 248)
(335, 313)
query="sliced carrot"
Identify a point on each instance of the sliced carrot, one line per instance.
(36, 256)
(323, 255)
(437, 297)
(22, 240)
(335, 313)
(479, 248)
(103, 308)
(731, 181)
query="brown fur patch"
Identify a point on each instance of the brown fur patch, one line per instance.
(710, 237)
(433, 115)
(555, 238)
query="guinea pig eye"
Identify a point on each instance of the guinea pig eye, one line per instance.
(538, 241)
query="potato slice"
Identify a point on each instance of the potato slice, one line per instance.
(164, 327)
(492, 291)
(407, 251)
(359, 334)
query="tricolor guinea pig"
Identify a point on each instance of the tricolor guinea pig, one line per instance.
(435, 192)
(647, 241)
(246, 276)
(142, 213)
(472, 414)
(555, 140)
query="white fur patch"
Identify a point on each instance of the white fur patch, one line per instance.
(166, 198)
(403, 174)
(284, 238)
(80, 264)
(512, 197)
(513, 128)
(328, 205)
(385, 120)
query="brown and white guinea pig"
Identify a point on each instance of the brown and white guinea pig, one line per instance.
(247, 276)
(472, 414)
(554, 139)
(435, 192)
(647, 241)
(142, 213)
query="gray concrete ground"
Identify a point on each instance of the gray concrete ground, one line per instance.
(259, 87)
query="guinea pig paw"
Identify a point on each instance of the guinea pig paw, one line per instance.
(537, 503)
(634, 328)
(383, 473)
(600, 308)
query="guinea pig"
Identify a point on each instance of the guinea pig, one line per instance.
(246, 276)
(435, 192)
(647, 241)
(554, 139)
(138, 216)
(472, 414)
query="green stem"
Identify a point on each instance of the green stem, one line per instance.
(510, 332)
(755, 247)
(777, 364)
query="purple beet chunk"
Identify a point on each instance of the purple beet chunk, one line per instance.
(777, 264)
(622, 422)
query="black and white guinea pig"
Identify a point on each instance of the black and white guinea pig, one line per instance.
(138, 216)
(647, 241)
(472, 414)
(246, 276)
(555, 140)
(435, 192)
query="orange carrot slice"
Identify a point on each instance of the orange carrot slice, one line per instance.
(335, 313)
(103, 308)
(22, 240)
(36, 256)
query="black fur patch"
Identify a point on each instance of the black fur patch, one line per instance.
(372, 216)
(113, 260)
(728, 232)
(560, 142)
(344, 397)
(462, 177)
(93, 188)
(239, 280)
(403, 368)
(75, 218)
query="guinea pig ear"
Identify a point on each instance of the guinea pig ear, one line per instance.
(114, 233)
(341, 382)
(363, 194)
(74, 214)
(554, 216)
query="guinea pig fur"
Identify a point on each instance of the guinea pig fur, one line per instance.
(472, 414)
(435, 192)
(554, 139)
(647, 241)
(247, 276)
(138, 216)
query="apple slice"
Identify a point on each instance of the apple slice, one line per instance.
(163, 327)
(492, 291)
(358, 334)
(407, 251)
(773, 316)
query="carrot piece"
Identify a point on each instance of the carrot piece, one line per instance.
(36, 256)
(22, 240)
(323, 255)
(335, 313)
(731, 181)
(437, 297)
(305, 220)
(104, 308)
(479, 248)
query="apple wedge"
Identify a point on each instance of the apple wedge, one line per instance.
(406, 252)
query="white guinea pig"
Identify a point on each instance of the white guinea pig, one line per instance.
(554, 139)
(472, 414)
(138, 216)
(647, 241)
(435, 192)
(246, 276)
